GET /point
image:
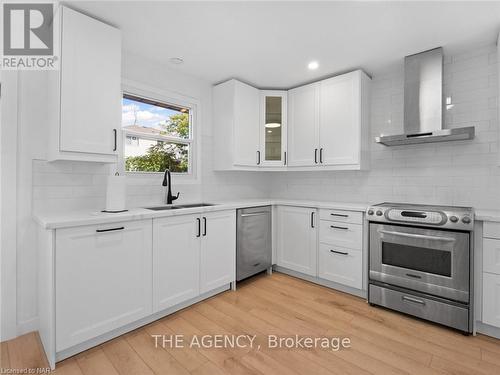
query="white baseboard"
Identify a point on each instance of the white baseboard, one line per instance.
(488, 330)
(27, 326)
(329, 284)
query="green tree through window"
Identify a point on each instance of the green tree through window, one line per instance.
(162, 153)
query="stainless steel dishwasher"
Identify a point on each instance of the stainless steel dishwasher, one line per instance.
(253, 241)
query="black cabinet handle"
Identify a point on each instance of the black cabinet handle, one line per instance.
(108, 230)
(258, 157)
(198, 220)
(204, 226)
(339, 215)
(316, 155)
(115, 136)
(284, 158)
(321, 155)
(339, 252)
(312, 219)
(336, 227)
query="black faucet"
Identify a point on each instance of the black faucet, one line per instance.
(167, 181)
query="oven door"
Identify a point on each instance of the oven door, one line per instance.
(426, 260)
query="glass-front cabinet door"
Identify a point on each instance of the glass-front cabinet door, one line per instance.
(273, 128)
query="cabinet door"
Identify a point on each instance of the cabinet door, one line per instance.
(491, 299)
(246, 125)
(341, 265)
(297, 239)
(340, 117)
(218, 250)
(176, 260)
(273, 128)
(303, 126)
(103, 279)
(90, 84)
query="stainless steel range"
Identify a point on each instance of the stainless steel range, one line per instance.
(420, 261)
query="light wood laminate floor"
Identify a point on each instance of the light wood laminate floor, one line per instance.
(382, 341)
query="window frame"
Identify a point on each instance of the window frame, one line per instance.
(160, 95)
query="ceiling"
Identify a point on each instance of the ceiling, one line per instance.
(269, 44)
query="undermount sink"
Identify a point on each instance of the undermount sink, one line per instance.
(179, 206)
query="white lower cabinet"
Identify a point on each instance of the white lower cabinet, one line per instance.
(341, 247)
(341, 234)
(102, 279)
(341, 265)
(218, 250)
(176, 260)
(491, 274)
(109, 276)
(491, 299)
(192, 255)
(297, 239)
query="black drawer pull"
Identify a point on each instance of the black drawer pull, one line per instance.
(336, 227)
(339, 215)
(108, 230)
(339, 252)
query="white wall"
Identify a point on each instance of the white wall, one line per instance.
(452, 173)
(8, 194)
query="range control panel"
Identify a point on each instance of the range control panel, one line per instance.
(460, 218)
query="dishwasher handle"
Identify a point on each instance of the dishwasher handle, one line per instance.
(255, 214)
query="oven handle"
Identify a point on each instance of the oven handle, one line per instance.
(414, 300)
(420, 236)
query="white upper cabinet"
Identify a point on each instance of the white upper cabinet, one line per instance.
(320, 125)
(340, 120)
(236, 125)
(87, 91)
(273, 129)
(303, 126)
(328, 123)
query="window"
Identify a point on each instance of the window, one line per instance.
(158, 136)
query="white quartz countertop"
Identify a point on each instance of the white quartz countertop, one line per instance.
(487, 215)
(89, 217)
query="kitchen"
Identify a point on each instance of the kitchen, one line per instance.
(264, 177)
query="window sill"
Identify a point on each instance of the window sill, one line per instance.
(178, 178)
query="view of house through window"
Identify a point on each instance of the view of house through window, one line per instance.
(157, 136)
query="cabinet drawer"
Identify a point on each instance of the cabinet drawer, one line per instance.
(429, 309)
(491, 299)
(341, 216)
(491, 230)
(341, 265)
(491, 255)
(341, 234)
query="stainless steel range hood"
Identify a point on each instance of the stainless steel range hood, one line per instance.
(423, 103)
